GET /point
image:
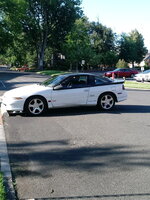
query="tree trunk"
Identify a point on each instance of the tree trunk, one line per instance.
(77, 70)
(41, 58)
(41, 51)
(52, 60)
(70, 67)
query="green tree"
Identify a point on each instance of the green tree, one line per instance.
(42, 23)
(132, 47)
(103, 38)
(103, 42)
(77, 46)
(5, 36)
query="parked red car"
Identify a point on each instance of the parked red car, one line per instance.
(23, 69)
(122, 72)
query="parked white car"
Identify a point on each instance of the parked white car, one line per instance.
(144, 76)
(65, 91)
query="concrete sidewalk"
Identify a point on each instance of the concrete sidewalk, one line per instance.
(4, 161)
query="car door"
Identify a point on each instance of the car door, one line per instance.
(121, 73)
(74, 92)
(127, 72)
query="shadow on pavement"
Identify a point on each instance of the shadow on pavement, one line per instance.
(96, 196)
(63, 154)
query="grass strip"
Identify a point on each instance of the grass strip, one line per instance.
(52, 72)
(2, 188)
(138, 85)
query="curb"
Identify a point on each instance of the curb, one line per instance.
(140, 89)
(4, 162)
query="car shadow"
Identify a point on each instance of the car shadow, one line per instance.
(93, 110)
(132, 109)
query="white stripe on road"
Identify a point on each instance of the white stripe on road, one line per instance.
(3, 84)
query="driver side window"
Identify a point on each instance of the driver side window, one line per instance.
(75, 82)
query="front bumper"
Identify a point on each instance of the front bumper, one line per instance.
(11, 104)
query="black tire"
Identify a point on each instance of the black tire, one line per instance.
(106, 101)
(132, 76)
(10, 113)
(35, 106)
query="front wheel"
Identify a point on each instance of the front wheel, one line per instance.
(35, 106)
(106, 101)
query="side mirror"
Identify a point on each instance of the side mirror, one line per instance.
(58, 87)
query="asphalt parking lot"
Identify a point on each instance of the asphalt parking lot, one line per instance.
(83, 153)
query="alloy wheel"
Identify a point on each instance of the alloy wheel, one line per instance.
(36, 106)
(107, 101)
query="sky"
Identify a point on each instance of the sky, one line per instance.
(121, 15)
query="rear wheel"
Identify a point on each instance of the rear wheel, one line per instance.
(106, 101)
(35, 106)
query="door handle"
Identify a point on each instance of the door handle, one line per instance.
(86, 90)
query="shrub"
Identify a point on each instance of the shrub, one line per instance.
(2, 188)
(121, 64)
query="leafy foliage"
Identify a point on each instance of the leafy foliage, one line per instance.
(2, 188)
(41, 23)
(103, 43)
(132, 47)
(102, 37)
(38, 32)
(77, 46)
(121, 64)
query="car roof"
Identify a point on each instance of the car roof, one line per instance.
(123, 68)
(80, 73)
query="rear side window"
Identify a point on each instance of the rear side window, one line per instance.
(95, 81)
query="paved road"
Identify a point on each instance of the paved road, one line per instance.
(81, 153)
(10, 80)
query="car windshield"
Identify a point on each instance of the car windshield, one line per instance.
(55, 80)
(116, 70)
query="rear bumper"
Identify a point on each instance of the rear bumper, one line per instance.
(122, 96)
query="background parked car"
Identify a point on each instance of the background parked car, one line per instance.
(23, 69)
(122, 72)
(144, 76)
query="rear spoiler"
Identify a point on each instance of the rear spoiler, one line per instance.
(118, 82)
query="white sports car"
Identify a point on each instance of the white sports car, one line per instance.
(66, 90)
(144, 76)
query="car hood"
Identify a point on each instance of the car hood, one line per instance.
(139, 74)
(26, 91)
